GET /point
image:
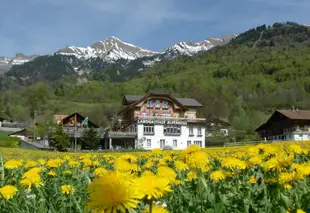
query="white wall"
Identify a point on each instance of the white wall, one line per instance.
(305, 136)
(181, 140)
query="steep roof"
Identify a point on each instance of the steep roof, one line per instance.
(66, 119)
(59, 118)
(188, 102)
(290, 114)
(296, 114)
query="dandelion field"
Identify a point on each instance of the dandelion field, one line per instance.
(266, 178)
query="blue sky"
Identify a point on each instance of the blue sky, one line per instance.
(44, 26)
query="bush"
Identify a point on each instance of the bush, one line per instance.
(168, 148)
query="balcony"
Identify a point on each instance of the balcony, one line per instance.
(171, 120)
(78, 132)
(297, 130)
(122, 134)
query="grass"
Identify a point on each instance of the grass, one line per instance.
(7, 141)
(3, 133)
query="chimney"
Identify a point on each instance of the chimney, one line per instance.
(293, 108)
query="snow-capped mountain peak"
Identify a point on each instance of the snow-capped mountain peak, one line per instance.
(191, 48)
(110, 49)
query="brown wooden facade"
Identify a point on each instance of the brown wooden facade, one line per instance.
(283, 124)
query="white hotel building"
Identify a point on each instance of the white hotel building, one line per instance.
(157, 120)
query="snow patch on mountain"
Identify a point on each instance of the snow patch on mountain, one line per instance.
(192, 48)
(111, 49)
(7, 62)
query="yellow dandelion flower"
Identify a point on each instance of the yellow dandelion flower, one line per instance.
(42, 161)
(8, 191)
(129, 158)
(300, 211)
(166, 172)
(73, 163)
(295, 148)
(30, 164)
(153, 187)
(252, 180)
(156, 151)
(197, 160)
(100, 171)
(54, 163)
(234, 163)
(67, 189)
(51, 173)
(113, 192)
(180, 166)
(217, 176)
(12, 164)
(191, 175)
(287, 177)
(95, 163)
(156, 209)
(287, 186)
(122, 165)
(148, 165)
(145, 173)
(32, 178)
(255, 160)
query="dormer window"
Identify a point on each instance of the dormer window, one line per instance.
(157, 104)
(150, 103)
(165, 105)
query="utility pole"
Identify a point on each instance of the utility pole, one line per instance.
(34, 125)
(75, 136)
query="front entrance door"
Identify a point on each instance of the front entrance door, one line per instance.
(162, 143)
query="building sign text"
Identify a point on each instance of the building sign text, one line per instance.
(162, 122)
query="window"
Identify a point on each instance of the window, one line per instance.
(191, 131)
(157, 104)
(172, 130)
(148, 129)
(149, 142)
(150, 103)
(189, 143)
(162, 143)
(199, 131)
(199, 143)
(165, 105)
(175, 143)
(300, 135)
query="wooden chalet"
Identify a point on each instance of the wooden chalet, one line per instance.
(286, 125)
(77, 119)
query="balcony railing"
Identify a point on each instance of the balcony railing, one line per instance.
(122, 134)
(161, 118)
(296, 129)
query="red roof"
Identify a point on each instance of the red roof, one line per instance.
(296, 114)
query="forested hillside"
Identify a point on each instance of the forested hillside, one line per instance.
(261, 70)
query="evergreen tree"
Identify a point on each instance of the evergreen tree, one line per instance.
(90, 139)
(60, 139)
